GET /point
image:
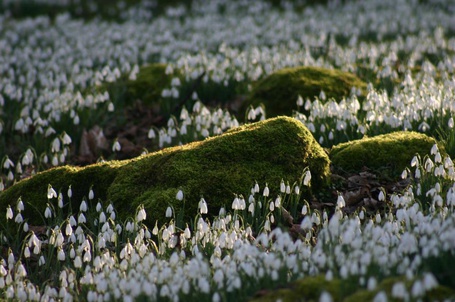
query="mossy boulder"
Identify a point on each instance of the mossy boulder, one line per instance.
(311, 288)
(279, 91)
(145, 86)
(216, 169)
(388, 153)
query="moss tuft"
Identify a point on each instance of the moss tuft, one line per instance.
(280, 90)
(388, 153)
(216, 169)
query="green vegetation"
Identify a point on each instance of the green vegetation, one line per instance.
(280, 90)
(388, 153)
(216, 169)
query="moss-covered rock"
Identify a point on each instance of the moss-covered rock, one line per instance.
(439, 293)
(308, 289)
(279, 91)
(311, 288)
(146, 86)
(215, 169)
(388, 153)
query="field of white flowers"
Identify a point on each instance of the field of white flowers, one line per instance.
(52, 73)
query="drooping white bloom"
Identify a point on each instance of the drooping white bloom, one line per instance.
(168, 212)
(340, 201)
(9, 213)
(179, 195)
(307, 178)
(141, 215)
(266, 191)
(203, 206)
(51, 192)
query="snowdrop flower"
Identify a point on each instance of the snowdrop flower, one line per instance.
(116, 147)
(48, 212)
(19, 219)
(300, 101)
(266, 191)
(91, 195)
(272, 206)
(381, 196)
(70, 192)
(51, 192)
(83, 206)
(66, 139)
(429, 282)
(9, 213)
(450, 123)
(307, 178)
(60, 200)
(325, 297)
(179, 195)
(306, 224)
(8, 163)
(399, 291)
(304, 209)
(61, 255)
(81, 219)
(141, 215)
(168, 212)
(340, 202)
(203, 206)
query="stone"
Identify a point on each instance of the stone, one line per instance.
(388, 154)
(215, 169)
(279, 91)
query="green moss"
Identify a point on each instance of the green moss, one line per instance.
(150, 82)
(215, 169)
(280, 90)
(306, 289)
(440, 293)
(389, 153)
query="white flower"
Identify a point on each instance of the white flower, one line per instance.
(340, 201)
(179, 195)
(66, 139)
(266, 191)
(60, 200)
(429, 281)
(307, 178)
(381, 196)
(91, 195)
(116, 146)
(19, 218)
(297, 190)
(168, 212)
(299, 101)
(61, 255)
(325, 297)
(282, 186)
(51, 192)
(48, 212)
(399, 290)
(306, 223)
(8, 163)
(83, 206)
(70, 192)
(9, 213)
(141, 215)
(20, 205)
(450, 123)
(203, 206)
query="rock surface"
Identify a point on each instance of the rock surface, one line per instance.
(216, 169)
(280, 90)
(388, 153)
